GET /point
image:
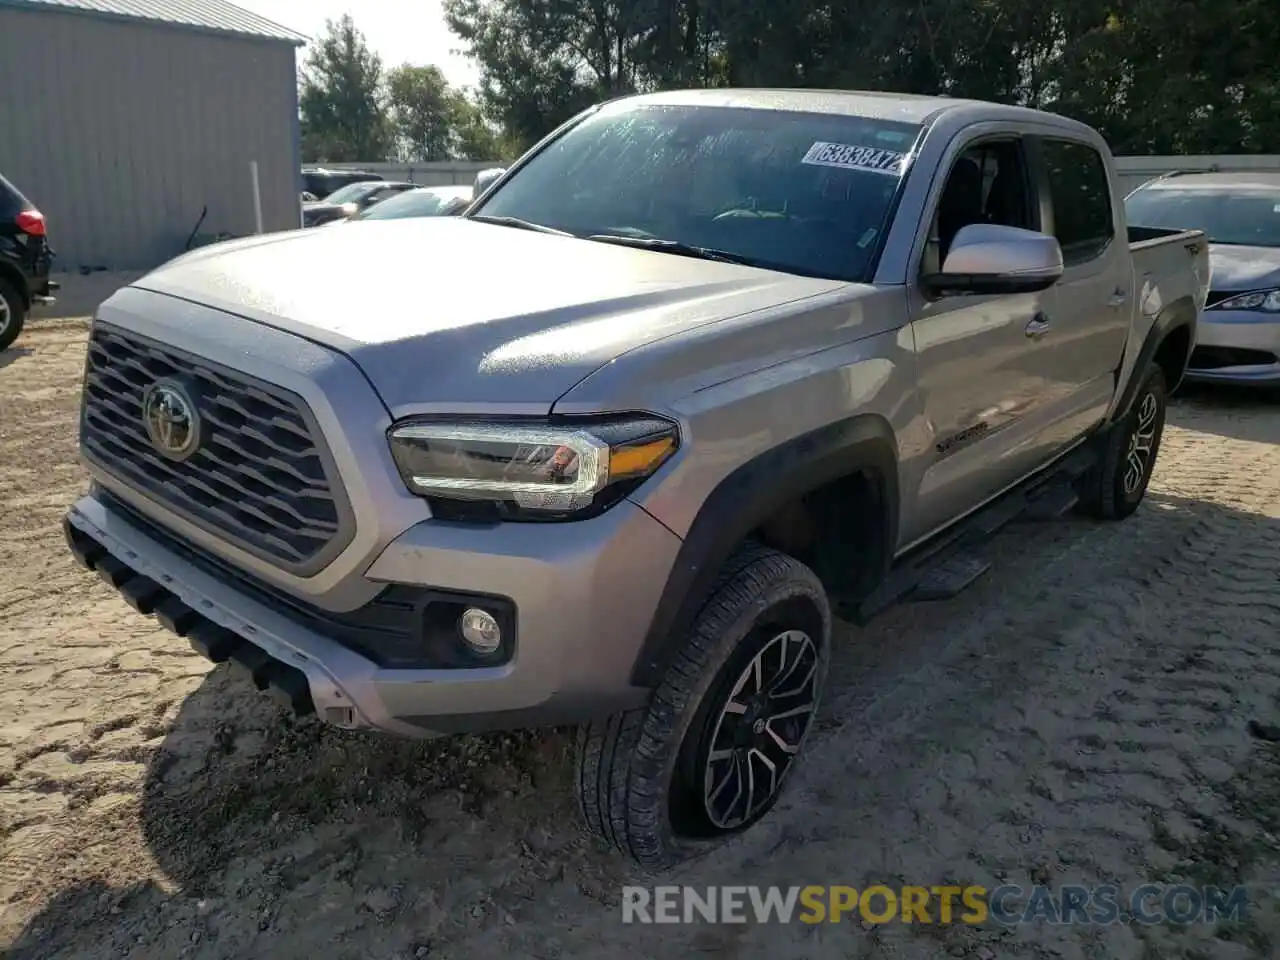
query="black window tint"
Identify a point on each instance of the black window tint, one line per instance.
(1081, 195)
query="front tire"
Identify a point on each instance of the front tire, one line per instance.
(710, 756)
(1114, 488)
(13, 313)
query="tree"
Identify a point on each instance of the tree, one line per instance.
(474, 138)
(1181, 76)
(423, 109)
(344, 118)
(532, 78)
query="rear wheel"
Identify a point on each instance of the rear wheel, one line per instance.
(711, 754)
(13, 313)
(1114, 488)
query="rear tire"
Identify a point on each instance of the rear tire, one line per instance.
(711, 754)
(1114, 488)
(13, 313)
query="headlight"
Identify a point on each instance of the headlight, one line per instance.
(1268, 300)
(532, 471)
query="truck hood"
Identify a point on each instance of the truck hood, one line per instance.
(1244, 268)
(454, 315)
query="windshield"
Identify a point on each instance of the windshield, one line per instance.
(353, 191)
(798, 192)
(414, 203)
(1246, 216)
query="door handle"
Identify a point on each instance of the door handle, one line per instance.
(1118, 298)
(1038, 326)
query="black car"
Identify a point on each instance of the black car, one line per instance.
(350, 200)
(320, 182)
(25, 257)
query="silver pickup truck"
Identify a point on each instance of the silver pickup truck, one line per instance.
(701, 371)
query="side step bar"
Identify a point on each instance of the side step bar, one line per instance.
(286, 684)
(943, 568)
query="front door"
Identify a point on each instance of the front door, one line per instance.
(980, 357)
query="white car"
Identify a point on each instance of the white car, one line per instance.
(445, 201)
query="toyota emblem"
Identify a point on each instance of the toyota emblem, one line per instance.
(171, 419)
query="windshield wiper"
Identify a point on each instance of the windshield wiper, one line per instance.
(520, 224)
(673, 246)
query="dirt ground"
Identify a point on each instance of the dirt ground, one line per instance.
(1080, 716)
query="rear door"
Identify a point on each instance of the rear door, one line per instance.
(1089, 309)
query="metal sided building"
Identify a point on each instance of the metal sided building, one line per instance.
(123, 120)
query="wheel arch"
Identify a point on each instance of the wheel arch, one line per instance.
(747, 498)
(1168, 343)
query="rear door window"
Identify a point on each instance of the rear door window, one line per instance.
(1080, 192)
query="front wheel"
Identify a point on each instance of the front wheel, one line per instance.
(13, 313)
(710, 756)
(1114, 488)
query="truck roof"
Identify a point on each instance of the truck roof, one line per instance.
(903, 107)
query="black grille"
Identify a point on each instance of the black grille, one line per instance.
(259, 478)
(396, 629)
(1215, 358)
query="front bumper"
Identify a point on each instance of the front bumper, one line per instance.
(1236, 346)
(583, 594)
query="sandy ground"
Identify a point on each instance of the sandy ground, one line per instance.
(1080, 716)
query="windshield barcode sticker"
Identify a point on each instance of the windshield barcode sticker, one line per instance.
(848, 157)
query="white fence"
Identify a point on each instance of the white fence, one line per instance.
(1133, 171)
(428, 174)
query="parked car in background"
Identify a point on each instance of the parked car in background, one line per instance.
(445, 201)
(25, 258)
(320, 182)
(350, 200)
(755, 358)
(1240, 212)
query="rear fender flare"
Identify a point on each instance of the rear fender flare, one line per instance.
(1180, 313)
(744, 500)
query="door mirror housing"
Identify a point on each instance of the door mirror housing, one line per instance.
(992, 258)
(485, 179)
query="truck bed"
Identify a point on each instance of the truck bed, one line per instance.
(1175, 262)
(1143, 238)
(1169, 267)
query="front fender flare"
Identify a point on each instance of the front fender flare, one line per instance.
(748, 496)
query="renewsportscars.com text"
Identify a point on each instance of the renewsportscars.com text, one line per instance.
(942, 904)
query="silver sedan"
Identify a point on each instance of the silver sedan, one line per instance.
(1239, 333)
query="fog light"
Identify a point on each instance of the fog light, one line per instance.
(480, 630)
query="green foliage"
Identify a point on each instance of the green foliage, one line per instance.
(354, 111)
(343, 114)
(1155, 76)
(422, 112)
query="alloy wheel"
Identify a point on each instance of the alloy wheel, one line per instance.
(760, 730)
(6, 314)
(1141, 441)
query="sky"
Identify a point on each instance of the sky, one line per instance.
(399, 31)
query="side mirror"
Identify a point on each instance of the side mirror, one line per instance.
(485, 179)
(991, 258)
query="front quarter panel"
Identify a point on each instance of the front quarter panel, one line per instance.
(745, 386)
